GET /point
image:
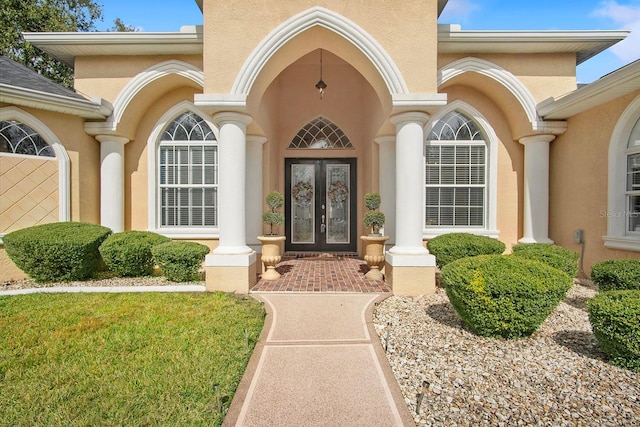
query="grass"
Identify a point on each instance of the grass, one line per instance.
(123, 359)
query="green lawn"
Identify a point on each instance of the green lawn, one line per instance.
(123, 359)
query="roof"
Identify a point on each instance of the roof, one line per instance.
(584, 43)
(16, 74)
(618, 83)
(20, 85)
(67, 46)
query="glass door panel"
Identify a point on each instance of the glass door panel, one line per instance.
(302, 202)
(338, 206)
(320, 205)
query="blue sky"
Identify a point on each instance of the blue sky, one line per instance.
(170, 15)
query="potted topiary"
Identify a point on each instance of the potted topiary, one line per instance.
(272, 243)
(374, 242)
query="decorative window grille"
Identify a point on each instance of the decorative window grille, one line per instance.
(321, 133)
(633, 180)
(455, 173)
(18, 138)
(188, 170)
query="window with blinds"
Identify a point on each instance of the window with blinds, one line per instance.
(633, 180)
(188, 174)
(455, 174)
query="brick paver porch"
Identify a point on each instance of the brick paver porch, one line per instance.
(321, 273)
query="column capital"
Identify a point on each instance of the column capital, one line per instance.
(536, 138)
(410, 117)
(385, 139)
(112, 138)
(256, 139)
(232, 117)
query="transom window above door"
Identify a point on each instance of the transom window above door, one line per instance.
(321, 133)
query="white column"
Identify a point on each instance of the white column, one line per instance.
(254, 187)
(112, 181)
(232, 173)
(536, 189)
(387, 186)
(409, 183)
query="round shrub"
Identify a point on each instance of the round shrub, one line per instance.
(372, 201)
(453, 246)
(554, 256)
(504, 296)
(128, 254)
(57, 252)
(615, 320)
(180, 261)
(617, 275)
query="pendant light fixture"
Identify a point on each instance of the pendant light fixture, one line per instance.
(321, 85)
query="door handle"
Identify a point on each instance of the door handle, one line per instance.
(322, 228)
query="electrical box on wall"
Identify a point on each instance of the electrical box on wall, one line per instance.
(578, 236)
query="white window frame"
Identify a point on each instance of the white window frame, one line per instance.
(154, 200)
(491, 175)
(617, 213)
(61, 156)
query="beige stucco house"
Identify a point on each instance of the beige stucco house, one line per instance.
(185, 133)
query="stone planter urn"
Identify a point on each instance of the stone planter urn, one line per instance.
(271, 255)
(374, 255)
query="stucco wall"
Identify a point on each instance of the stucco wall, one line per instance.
(412, 49)
(579, 181)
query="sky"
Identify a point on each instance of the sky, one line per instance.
(170, 15)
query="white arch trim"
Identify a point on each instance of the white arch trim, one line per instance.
(493, 144)
(64, 176)
(617, 210)
(332, 21)
(153, 223)
(151, 74)
(499, 74)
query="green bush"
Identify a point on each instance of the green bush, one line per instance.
(180, 261)
(128, 254)
(453, 246)
(372, 201)
(617, 275)
(57, 252)
(504, 296)
(554, 256)
(615, 320)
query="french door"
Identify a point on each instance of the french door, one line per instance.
(320, 205)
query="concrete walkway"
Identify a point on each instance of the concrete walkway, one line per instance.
(318, 363)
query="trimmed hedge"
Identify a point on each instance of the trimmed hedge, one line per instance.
(617, 275)
(554, 256)
(180, 261)
(615, 320)
(128, 254)
(502, 296)
(57, 252)
(454, 246)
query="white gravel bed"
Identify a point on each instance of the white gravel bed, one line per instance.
(557, 377)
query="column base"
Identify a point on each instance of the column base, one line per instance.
(231, 273)
(534, 240)
(411, 275)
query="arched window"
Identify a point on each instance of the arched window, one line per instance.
(633, 181)
(321, 133)
(456, 174)
(188, 173)
(18, 138)
(623, 206)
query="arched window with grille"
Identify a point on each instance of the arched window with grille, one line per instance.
(18, 138)
(456, 174)
(188, 174)
(321, 133)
